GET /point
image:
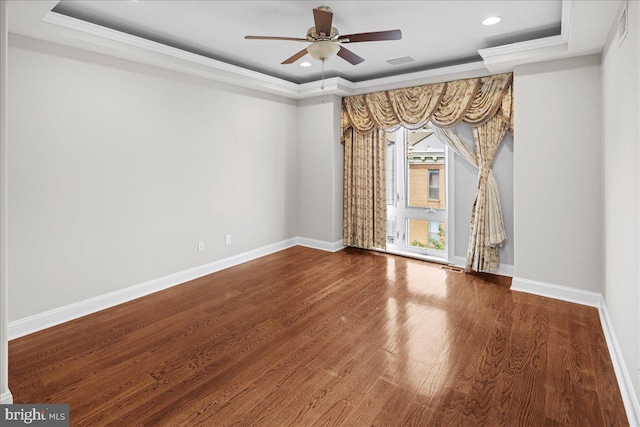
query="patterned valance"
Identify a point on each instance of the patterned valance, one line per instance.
(474, 101)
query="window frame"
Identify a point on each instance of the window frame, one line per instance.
(397, 210)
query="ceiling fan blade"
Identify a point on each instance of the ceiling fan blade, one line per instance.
(275, 38)
(372, 37)
(295, 57)
(349, 56)
(323, 19)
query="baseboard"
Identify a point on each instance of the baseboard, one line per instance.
(6, 398)
(578, 296)
(38, 322)
(321, 244)
(593, 299)
(503, 269)
(629, 397)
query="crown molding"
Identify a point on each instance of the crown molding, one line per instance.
(500, 59)
(85, 35)
(243, 76)
(436, 75)
(184, 61)
(521, 47)
(332, 86)
(343, 87)
(567, 17)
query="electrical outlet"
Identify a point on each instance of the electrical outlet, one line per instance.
(227, 239)
(200, 246)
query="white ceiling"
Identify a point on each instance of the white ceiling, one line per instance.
(206, 38)
(435, 33)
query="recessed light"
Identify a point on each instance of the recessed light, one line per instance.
(305, 64)
(492, 20)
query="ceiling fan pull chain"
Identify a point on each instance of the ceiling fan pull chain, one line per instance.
(322, 87)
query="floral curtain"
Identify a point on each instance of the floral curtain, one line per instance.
(365, 203)
(493, 231)
(485, 103)
(474, 101)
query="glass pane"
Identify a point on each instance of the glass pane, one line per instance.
(425, 170)
(434, 184)
(391, 168)
(434, 232)
(391, 230)
(426, 234)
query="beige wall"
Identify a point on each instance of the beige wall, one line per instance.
(558, 176)
(320, 164)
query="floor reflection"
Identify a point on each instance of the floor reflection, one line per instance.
(418, 332)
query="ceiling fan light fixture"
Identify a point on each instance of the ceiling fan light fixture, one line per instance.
(325, 39)
(323, 50)
(492, 20)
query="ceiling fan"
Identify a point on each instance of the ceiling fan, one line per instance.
(326, 40)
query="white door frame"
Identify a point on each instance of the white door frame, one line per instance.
(5, 394)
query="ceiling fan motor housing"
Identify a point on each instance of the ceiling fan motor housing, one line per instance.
(325, 39)
(313, 36)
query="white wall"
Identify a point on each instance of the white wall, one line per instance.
(466, 182)
(117, 170)
(558, 191)
(621, 202)
(320, 169)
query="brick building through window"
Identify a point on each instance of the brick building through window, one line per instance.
(426, 183)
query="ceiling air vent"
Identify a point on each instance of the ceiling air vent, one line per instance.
(403, 60)
(452, 269)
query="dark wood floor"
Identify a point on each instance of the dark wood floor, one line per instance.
(304, 337)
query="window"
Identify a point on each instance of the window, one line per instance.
(434, 184)
(391, 230)
(434, 233)
(418, 186)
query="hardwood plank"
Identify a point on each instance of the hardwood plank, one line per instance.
(335, 415)
(305, 337)
(378, 393)
(522, 382)
(417, 415)
(485, 390)
(450, 411)
(359, 386)
(394, 407)
(607, 384)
